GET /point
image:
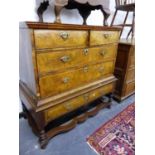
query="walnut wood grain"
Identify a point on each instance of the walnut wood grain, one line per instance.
(40, 25)
(79, 119)
(77, 102)
(54, 61)
(60, 39)
(76, 78)
(45, 136)
(42, 104)
(63, 69)
(104, 37)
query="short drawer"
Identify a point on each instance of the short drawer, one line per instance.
(103, 37)
(46, 39)
(76, 102)
(130, 75)
(130, 87)
(63, 59)
(58, 83)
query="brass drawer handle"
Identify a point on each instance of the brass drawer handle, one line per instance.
(85, 69)
(64, 35)
(86, 97)
(65, 59)
(65, 80)
(102, 53)
(85, 51)
(68, 106)
(106, 35)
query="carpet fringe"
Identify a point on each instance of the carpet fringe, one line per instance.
(93, 148)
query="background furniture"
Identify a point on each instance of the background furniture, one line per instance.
(63, 69)
(125, 6)
(125, 70)
(84, 8)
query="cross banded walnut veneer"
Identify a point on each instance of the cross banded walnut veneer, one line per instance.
(63, 70)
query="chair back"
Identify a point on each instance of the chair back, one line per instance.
(124, 2)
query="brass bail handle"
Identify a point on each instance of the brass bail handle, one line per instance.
(106, 35)
(65, 58)
(64, 35)
(102, 53)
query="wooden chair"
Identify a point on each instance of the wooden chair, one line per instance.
(126, 6)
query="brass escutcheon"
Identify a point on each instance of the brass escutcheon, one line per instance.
(101, 69)
(68, 106)
(66, 80)
(85, 51)
(86, 97)
(85, 69)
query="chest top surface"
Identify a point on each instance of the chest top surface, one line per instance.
(39, 25)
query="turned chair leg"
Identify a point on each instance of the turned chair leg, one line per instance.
(57, 10)
(43, 140)
(22, 115)
(84, 14)
(105, 16)
(40, 17)
(41, 9)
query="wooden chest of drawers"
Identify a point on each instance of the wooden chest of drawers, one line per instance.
(63, 68)
(125, 70)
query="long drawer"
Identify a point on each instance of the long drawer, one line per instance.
(57, 83)
(63, 59)
(77, 102)
(45, 39)
(103, 37)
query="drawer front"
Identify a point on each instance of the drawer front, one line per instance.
(77, 102)
(57, 83)
(60, 60)
(130, 75)
(59, 38)
(132, 57)
(103, 37)
(130, 87)
(132, 61)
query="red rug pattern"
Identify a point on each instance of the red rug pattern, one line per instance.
(117, 136)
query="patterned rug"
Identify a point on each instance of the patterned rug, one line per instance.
(117, 136)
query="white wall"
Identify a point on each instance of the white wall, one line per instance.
(27, 12)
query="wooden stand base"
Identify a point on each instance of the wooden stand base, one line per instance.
(68, 121)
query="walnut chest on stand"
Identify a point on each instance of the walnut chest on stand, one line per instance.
(64, 72)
